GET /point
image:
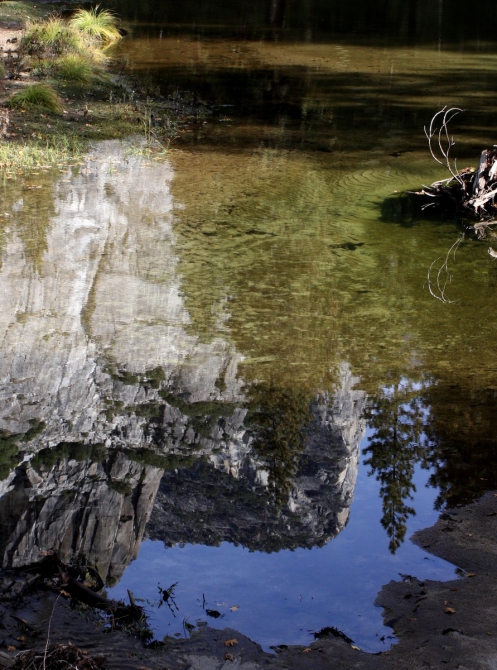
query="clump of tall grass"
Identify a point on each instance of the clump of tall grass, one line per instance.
(86, 34)
(50, 38)
(71, 68)
(41, 96)
(99, 25)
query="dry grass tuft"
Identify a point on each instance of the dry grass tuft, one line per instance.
(57, 657)
(51, 38)
(42, 96)
(100, 25)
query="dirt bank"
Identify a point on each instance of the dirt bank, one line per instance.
(439, 625)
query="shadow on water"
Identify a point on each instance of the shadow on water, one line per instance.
(392, 21)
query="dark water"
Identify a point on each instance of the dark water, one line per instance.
(231, 352)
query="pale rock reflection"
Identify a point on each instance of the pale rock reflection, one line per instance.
(113, 403)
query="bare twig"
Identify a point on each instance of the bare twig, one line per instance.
(48, 631)
(444, 276)
(444, 140)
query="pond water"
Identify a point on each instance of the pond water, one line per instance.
(231, 354)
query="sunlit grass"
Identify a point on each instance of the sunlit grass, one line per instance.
(16, 158)
(42, 96)
(69, 52)
(71, 68)
(98, 24)
(52, 37)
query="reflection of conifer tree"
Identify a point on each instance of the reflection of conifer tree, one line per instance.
(396, 416)
(279, 418)
(462, 443)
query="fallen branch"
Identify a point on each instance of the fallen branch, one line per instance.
(468, 191)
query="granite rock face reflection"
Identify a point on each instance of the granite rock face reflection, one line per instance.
(102, 307)
(225, 498)
(104, 391)
(92, 507)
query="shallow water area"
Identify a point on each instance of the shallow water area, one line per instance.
(231, 353)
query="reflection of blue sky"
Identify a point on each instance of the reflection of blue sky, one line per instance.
(283, 596)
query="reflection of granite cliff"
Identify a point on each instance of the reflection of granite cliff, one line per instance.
(96, 506)
(95, 348)
(101, 306)
(207, 504)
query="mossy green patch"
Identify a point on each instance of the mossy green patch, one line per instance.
(124, 488)
(162, 461)
(10, 446)
(78, 451)
(21, 12)
(204, 415)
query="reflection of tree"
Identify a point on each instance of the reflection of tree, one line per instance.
(279, 418)
(277, 16)
(396, 445)
(462, 445)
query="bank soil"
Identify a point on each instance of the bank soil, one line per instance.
(438, 624)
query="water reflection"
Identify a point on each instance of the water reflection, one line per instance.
(293, 490)
(106, 390)
(396, 444)
(78, 500)
(404, 21)
(194, 342)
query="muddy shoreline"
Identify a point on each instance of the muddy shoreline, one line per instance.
(438, 624)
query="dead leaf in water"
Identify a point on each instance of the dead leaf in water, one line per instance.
(235, 608)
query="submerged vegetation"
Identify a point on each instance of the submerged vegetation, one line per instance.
(39, 151)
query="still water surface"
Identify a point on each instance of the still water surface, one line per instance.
(232, 352)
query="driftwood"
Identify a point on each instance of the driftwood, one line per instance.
(470, 192)
(78, 581)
